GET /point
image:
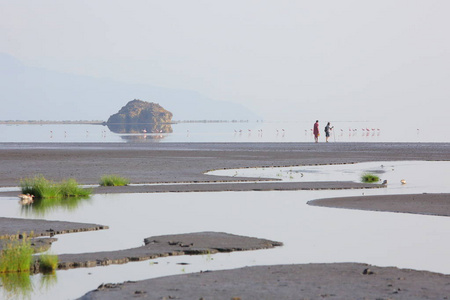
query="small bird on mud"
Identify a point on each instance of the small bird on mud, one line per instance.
(403, 181)
(26, 199)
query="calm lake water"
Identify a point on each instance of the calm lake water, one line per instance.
(422, 131)
(310, 234)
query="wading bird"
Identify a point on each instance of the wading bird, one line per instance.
(26, 199)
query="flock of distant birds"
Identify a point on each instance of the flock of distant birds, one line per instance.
(87, 133)
(260, 132)
(351, 131)
(278, 132)
(103, 133)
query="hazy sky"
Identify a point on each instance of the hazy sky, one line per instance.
(335, 60)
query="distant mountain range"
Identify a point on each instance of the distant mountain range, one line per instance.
(29, 93)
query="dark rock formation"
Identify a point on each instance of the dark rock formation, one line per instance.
(141, 112)
(140, 116)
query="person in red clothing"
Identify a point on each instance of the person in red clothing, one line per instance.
(316, 131)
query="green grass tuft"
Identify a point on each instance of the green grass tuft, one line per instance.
(113, 180)
(369, 178)
(70, 188)
(16, 256)
(48, 263)
(39, 187)
(42, 188)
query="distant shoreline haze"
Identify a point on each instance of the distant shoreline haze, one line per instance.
(41, 94)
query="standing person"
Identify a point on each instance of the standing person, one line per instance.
(316, 131)
(328, 128)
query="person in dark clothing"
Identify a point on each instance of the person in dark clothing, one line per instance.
(328, 129)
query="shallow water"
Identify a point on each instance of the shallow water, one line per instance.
(231, 132)
(310, 234)
(421, 176)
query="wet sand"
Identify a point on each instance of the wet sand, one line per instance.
(288, 282)
(197, 243)
(187, 163)
(12, 227)
(424, 204)
(223, 187)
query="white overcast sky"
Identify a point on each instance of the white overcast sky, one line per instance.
(333, 59)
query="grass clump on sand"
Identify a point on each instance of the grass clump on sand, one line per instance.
(42, 188)
(48, 263)
(369, 178)
(113, 180)
(70, 188)
(16, 256)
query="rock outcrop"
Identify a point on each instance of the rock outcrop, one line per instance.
(141, 112)
(140, 116)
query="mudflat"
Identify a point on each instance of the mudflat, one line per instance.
(424, 204)
(10, 227)
(196, 243)
(187, 162)
(287, 282)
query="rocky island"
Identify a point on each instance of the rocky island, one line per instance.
(139, 116)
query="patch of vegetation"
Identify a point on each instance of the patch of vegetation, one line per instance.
(113, 180)
(369, 178)
(39, 187)
(19, 285)
(16, 264)
(16, 256)
(48, 263)
(43, 188)
(70, 188)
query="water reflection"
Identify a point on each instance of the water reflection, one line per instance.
(42, 207)
(140, 128)
(142, 131)
(16, 285)
(339, 172)
(137, 138)
(19, 285)
(47, 280)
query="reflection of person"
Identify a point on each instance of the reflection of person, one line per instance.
(316, 131)
(328, 128)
